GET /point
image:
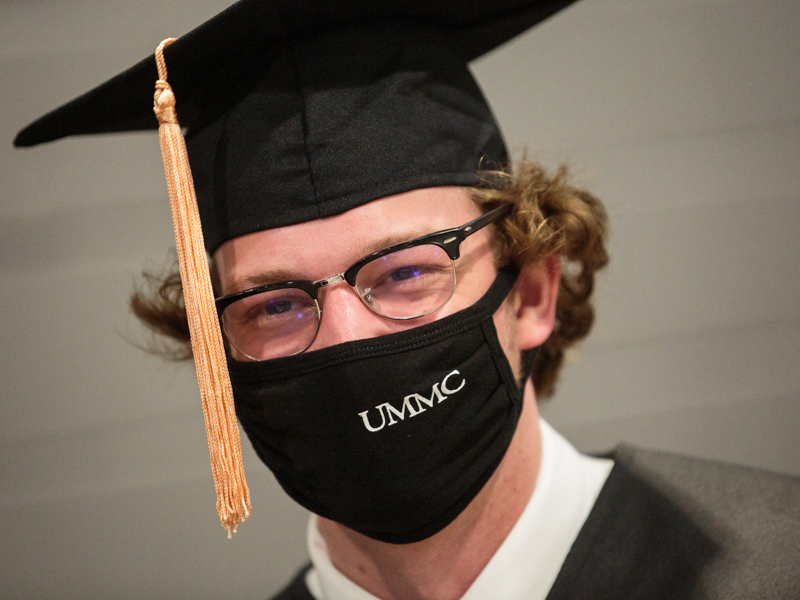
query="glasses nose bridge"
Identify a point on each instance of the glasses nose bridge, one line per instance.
(328, 281)
(331, 281)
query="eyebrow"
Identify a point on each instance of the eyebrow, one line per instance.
(246, 282)
(395, 238)
(268, 277)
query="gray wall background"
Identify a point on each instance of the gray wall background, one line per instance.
(682, 114)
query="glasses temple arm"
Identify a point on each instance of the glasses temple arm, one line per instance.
(484, 220)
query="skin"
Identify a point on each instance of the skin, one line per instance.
(443, 566)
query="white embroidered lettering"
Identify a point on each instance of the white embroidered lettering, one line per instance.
(365, 418)
(400, 414)
(435, 394)
(446, 389)
(409, 405)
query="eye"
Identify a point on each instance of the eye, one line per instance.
(277, 307)
(405, 270)
(404, 273)
(274, 323)
(270, 309)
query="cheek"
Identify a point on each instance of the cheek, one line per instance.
(505, 321)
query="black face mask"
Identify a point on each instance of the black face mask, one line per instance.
(391, 436)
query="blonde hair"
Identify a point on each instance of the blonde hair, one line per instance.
(550, 216)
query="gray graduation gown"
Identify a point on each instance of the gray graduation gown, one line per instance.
(671, 527)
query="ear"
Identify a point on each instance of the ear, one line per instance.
(537, 292)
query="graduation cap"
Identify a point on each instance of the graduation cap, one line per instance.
(295, 110)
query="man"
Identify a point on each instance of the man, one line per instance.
(398, 417)
(523, 322)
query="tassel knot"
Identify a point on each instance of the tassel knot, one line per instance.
(164, 103)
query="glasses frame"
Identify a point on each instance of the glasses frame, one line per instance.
(448, 240)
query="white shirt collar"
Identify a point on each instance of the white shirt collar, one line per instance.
(527, 563)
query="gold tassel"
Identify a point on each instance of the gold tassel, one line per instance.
(224, 445)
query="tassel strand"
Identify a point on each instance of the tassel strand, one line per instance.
(224, 445)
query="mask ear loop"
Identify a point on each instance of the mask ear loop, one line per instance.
(526, 367)
(224, 445)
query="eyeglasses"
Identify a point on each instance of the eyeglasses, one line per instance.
(401, 282)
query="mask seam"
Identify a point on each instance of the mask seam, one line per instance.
(501, 361)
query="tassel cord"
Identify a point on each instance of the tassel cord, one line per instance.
(224, 444)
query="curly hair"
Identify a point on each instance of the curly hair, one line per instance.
(550, 216)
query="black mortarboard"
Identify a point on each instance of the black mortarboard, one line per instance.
(296, 110)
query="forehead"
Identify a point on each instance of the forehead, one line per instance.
(322, 247)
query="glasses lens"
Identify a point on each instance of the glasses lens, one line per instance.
(408, 283)
(272, 324)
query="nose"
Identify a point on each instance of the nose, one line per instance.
(345, 318)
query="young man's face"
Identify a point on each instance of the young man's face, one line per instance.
(324, 247)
